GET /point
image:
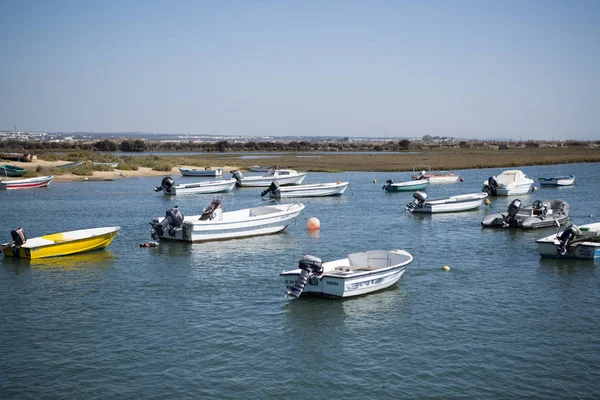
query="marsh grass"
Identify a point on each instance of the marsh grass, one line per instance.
(438, 159)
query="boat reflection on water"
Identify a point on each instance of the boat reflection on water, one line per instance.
(364, 310)
(568, 266)
(93, 259)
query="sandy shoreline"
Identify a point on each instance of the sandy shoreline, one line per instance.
(101, 175)
(443, 159)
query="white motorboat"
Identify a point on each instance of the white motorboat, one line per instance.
(315, 190)
(214, 224)
(28, 183)
(582, 243)
(168, 187)
(206, 172)
(408, 186)
(463, 202)
(540, 214)
(508, 183)
(557, 181)
(434, 177)
(283, 177)
(358, 274)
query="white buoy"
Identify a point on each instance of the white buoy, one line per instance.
(446, 268)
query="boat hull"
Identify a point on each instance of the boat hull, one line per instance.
(451, 204)
(30, 183)
(557, 181)
(59, 244)
(515, 190)
(201, 172)
(557, 213)
(407, 186)
(260, 181)
(586, 245)
(436, 179)
(12, 171)
(246, 223)
(342, 279)
(321, 190)
(337, 288)
(202, 188)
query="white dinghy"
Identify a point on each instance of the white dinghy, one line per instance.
(463, 202)
(557, 181)
(283, 177)
(315, 190)
(214, 224)
(168, 187)
(359, 273)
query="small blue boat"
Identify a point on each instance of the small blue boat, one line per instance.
(557, 181)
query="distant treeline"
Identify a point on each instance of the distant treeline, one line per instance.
(140, 145)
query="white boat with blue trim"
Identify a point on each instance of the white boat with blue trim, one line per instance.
(358, 274)
(463, 202)
(214, 224)
(168, 187)
(206, 172)
(314, 190)
(557, 181)
(579, 242)
(284, 177)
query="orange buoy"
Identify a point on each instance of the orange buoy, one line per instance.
(462, 179)
(313, 224)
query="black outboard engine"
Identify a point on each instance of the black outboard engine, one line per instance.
(510, 218)
(272, 188)
(18, 236)
(238, 177)
(491, 187)
(388, 183)
(565, 237)
(166, 185)
(173, 220)
(420, 198)
(309, 266)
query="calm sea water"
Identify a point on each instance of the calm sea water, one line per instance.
(211, 321)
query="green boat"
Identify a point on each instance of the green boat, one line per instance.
(11, 170)
(409, 186)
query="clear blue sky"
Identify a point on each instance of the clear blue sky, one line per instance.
(484, 69)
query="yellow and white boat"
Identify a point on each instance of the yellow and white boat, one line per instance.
(58, 244)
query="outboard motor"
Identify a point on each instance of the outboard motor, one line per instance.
(166, 185)
(388, 183)
(173, 220)
(210, 211)
(511, 213)
(18, 236)
(238, 177)
(565, 237)
(420, 198)
(309, 266)
(491, 187)
(272, 188)
(540, 207)
(421, 176)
